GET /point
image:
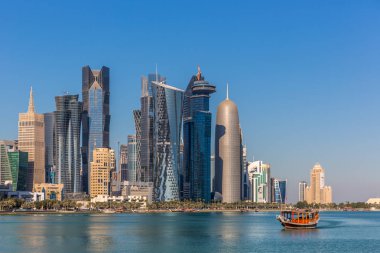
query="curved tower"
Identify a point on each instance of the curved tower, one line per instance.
(228, 152)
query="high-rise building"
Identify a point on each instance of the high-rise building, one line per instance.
(212, 174)
(49, 147)
(102, 164)
(259, 182)
(167, 126)
(5, 166)
(302, 191)
(228, 153)
(67, 157)
(317, 192)
(146, 125)
(278, 190)
(245, 176)
(132, 158)
(31, 133)
(139, 176)
(197, 139)
(19, 167)
(96, 115)
(123, 161)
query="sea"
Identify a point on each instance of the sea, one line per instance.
(187, 232)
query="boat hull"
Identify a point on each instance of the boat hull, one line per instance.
(294, 225)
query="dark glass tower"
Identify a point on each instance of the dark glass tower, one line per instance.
(195, 178)
(96, 115)
(67, 142)
(167, 108)
(49, 147)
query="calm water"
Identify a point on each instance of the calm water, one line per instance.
(180, 232)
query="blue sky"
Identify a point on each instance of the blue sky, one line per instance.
(304, 74)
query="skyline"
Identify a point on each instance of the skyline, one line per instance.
(330, 118)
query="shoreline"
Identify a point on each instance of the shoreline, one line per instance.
(157, 211)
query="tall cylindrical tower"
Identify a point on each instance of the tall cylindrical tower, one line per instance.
(228, 152)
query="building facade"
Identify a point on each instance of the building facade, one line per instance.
(132, 158)
(31, 133)
(302, 191)
(96, 115)
(167, 126)
(103, 163)
(195, 176)
(50, 170)
(278, 190)
(50, 191)
(259, 182)
(318, 192)
(5, 166)
(67, 157)
(123, 162)
(228, 153)
(18, 161)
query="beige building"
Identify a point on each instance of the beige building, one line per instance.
(317, 192)
(31, 139)
(102, 164)
(51, 191)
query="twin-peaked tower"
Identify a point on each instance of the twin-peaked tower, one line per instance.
(95, 117)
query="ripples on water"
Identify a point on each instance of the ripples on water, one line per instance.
(187, 232)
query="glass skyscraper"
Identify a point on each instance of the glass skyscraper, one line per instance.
(49, 147)
(167, 125)
(278, 190)
(132, 158)
(18, 161)
(96, 116)
(67, 142)
(195, 176)
(146, 126)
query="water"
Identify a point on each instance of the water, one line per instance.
(187, 232)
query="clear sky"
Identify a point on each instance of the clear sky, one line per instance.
(304, 74)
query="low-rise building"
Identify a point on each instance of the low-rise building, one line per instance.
(137, 189)
(51, 191)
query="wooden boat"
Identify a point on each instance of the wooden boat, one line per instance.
(299, 219)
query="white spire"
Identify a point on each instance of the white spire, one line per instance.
(227, 98)
(31, 101)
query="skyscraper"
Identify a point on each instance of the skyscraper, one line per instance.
(5, 167)
(146, 124)
(317, 192)
(195, 176)
(18, 161)
(49, 147)
(278, 190)
(31, 140)
(96, 114)
(228, 154)
(167, 108)
(132, 158)
(67, 142)
(102, 164)
(123, 162)
(139, 176)
(302, 191)
(259, 182)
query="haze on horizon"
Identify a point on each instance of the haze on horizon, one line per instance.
(304, 74)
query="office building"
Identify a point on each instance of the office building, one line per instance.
(146, 125)
(302, 191)
(18, 161)
(228, 153)
(318, 192)
(259, 182)
(67, 157)
(49, 147)
(123, 161)
(96, 115)
(278, 190)
(31, 133)
(5, 166)
(132, 158)
(167, 126)
(103, 163)
(139, 174)
(197, 139)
